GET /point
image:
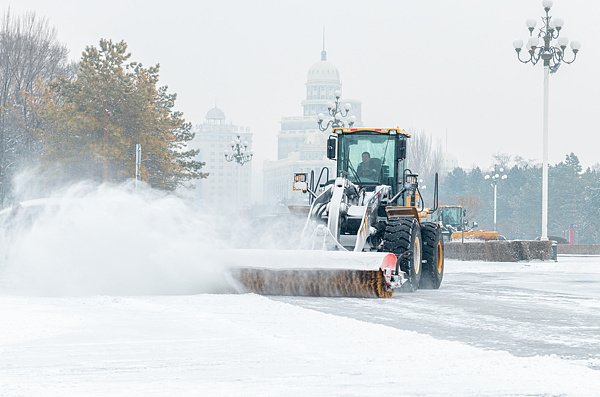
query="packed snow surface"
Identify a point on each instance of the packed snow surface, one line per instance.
(120, 294)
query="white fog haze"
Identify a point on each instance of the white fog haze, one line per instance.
(448, 68)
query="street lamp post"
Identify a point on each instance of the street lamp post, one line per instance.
(334, 110)
(495, 177)
(138, 164)
(553, 54)
(240, 153)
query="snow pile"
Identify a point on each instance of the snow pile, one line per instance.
(112, 240)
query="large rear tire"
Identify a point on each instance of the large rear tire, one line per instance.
(433, 256)
(402, 235)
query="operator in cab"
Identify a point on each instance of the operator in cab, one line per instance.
(368, 168)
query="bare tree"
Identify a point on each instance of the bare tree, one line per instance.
(502, 160)
(29, 54)
(471, 204)
(424, 157)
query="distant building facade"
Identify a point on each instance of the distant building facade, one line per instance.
(301, 146)
(450, 163)
(228, 183)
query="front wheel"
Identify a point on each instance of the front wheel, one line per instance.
(433, 256)
(403, 235)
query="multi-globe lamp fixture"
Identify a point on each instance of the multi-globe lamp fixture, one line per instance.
(239, 152)
(334, 110)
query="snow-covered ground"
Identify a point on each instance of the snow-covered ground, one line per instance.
(114, 297)
(245, 344)
(527, 309)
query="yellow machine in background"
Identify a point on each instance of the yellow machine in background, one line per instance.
(455, 226)
(474, 235)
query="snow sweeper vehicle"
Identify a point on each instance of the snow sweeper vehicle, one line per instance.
(367, 231)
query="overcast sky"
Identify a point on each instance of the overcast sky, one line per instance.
(445, 67)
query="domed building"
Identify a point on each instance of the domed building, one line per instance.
(215, 116)
(322, 80)
(301, 146)
(213, 138)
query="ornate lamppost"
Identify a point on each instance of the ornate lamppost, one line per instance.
(552, 53)
(239, 152)
(495, 177)
(335, 111)
(241, 155)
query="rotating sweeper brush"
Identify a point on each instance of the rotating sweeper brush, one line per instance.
(317, 273)
(367, 232)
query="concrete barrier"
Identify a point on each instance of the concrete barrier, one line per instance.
(499, 251)
(579, 249)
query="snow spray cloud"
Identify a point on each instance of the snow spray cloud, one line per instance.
(110, 240)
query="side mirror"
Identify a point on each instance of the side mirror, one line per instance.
(300, 177)
(401, 149)
(331, 148)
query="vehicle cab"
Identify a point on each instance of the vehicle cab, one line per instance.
(370, 157)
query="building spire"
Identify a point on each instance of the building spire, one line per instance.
(323, 53)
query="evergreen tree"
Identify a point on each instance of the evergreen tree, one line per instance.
(453, 185)
(565, 200)
(94, 122)
(589, 231)
(524, 184)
